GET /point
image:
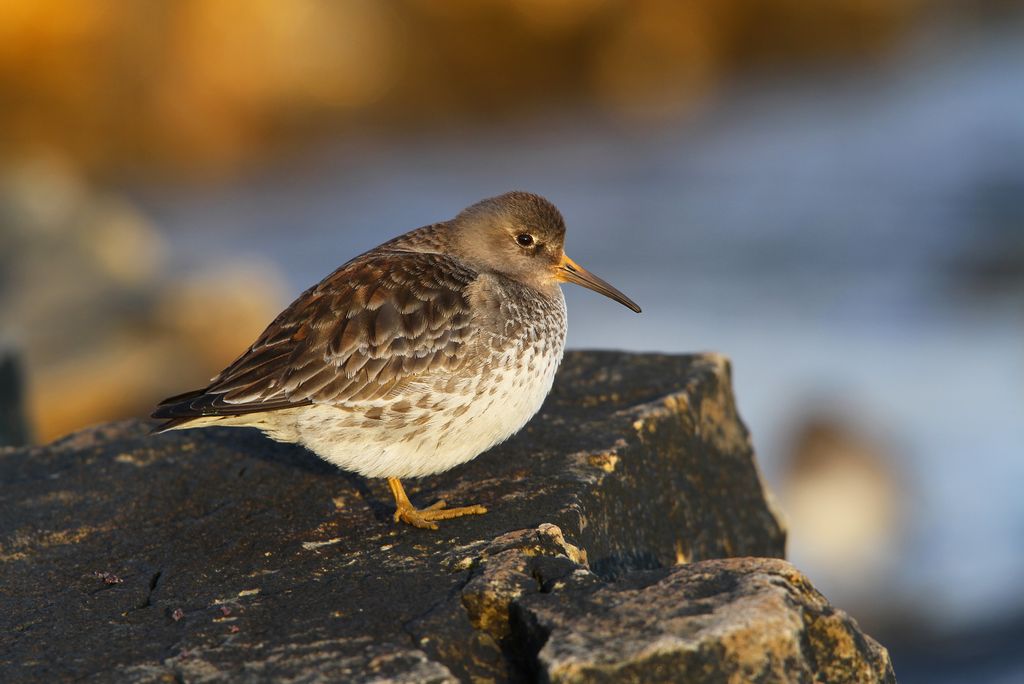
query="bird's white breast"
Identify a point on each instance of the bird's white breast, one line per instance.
(453, 419)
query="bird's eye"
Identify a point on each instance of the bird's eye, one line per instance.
(524, 240)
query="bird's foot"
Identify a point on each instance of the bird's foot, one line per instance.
(425, 518)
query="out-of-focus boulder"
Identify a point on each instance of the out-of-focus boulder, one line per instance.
(104, 329)
(14, 427)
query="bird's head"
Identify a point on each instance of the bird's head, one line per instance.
(522, 236)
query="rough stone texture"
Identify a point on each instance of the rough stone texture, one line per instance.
(738, 619)
(215, 554)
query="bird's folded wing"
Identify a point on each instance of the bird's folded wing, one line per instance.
(379, 321)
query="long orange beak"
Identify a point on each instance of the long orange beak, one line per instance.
(568, 271)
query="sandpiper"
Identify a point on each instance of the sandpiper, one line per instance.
(414, 357)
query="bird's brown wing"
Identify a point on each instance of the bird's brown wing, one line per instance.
(376, 323)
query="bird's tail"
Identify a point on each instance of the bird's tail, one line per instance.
(177, 410)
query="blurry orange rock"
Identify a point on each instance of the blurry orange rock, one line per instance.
(214, 316)
(85, 298)
(209, 84)
(236, 70)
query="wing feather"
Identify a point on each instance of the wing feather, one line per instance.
(377, 323)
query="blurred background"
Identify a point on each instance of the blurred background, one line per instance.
(831, 193)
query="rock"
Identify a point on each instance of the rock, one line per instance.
(737, 619)
(217, 554)
(14, 429)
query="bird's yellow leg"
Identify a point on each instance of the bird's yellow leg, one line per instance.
(424, 518)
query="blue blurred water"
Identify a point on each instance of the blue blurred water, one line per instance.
(835, 236)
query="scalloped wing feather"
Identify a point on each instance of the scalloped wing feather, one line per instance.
(377, 323)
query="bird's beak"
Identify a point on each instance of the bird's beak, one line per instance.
(568, 271)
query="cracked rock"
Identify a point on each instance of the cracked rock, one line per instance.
(738, 619)
(242, 558)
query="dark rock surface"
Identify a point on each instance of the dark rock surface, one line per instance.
(217, 554)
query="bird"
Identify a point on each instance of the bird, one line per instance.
(414, 357)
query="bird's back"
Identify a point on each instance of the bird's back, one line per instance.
(375, 324)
